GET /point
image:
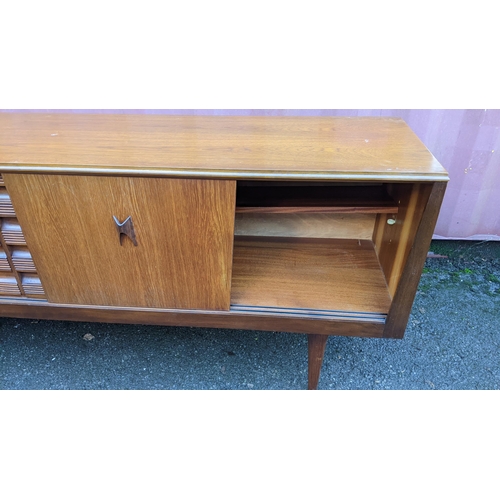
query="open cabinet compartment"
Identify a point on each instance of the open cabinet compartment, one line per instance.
(322, 249)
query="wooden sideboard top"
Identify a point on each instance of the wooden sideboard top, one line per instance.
(230, 147)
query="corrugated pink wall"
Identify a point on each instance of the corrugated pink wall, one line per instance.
(465, 142)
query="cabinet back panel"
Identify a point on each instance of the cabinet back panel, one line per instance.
(183, 228)
(305, 225)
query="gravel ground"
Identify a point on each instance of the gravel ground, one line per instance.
(452, 342)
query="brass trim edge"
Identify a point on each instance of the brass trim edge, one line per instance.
(393, 176)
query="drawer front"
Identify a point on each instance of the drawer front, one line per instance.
(132, 242)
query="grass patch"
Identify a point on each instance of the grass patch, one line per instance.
(466, 249)
(493, 278)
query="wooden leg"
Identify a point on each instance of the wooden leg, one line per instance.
(316, 347)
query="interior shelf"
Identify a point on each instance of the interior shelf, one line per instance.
(317, 276)
(283, 198)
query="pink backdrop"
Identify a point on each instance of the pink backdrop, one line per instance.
(465, 142)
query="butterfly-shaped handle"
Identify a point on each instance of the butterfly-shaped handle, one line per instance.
(126, 228)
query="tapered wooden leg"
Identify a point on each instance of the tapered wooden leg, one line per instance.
(316, 348)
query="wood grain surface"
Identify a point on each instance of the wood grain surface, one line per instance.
(23, 308)
(404, 295)
(209, 146)
(264, 197)
(4, 262)
(317, 274)
(7, 283)
(12, 232)
(184, 230)
(6, 208)
(393, 242)
(304, 225)
(316, 345)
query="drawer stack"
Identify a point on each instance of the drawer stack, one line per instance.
(18, 274)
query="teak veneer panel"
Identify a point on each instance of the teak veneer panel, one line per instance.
(341, 275)
(236, 147)
(184, 230)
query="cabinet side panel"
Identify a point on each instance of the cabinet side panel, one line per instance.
(183, 229)
(393, 242)
(407, 288)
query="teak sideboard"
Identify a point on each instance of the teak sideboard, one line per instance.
(308, 225)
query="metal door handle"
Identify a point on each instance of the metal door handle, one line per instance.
(127, 228)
